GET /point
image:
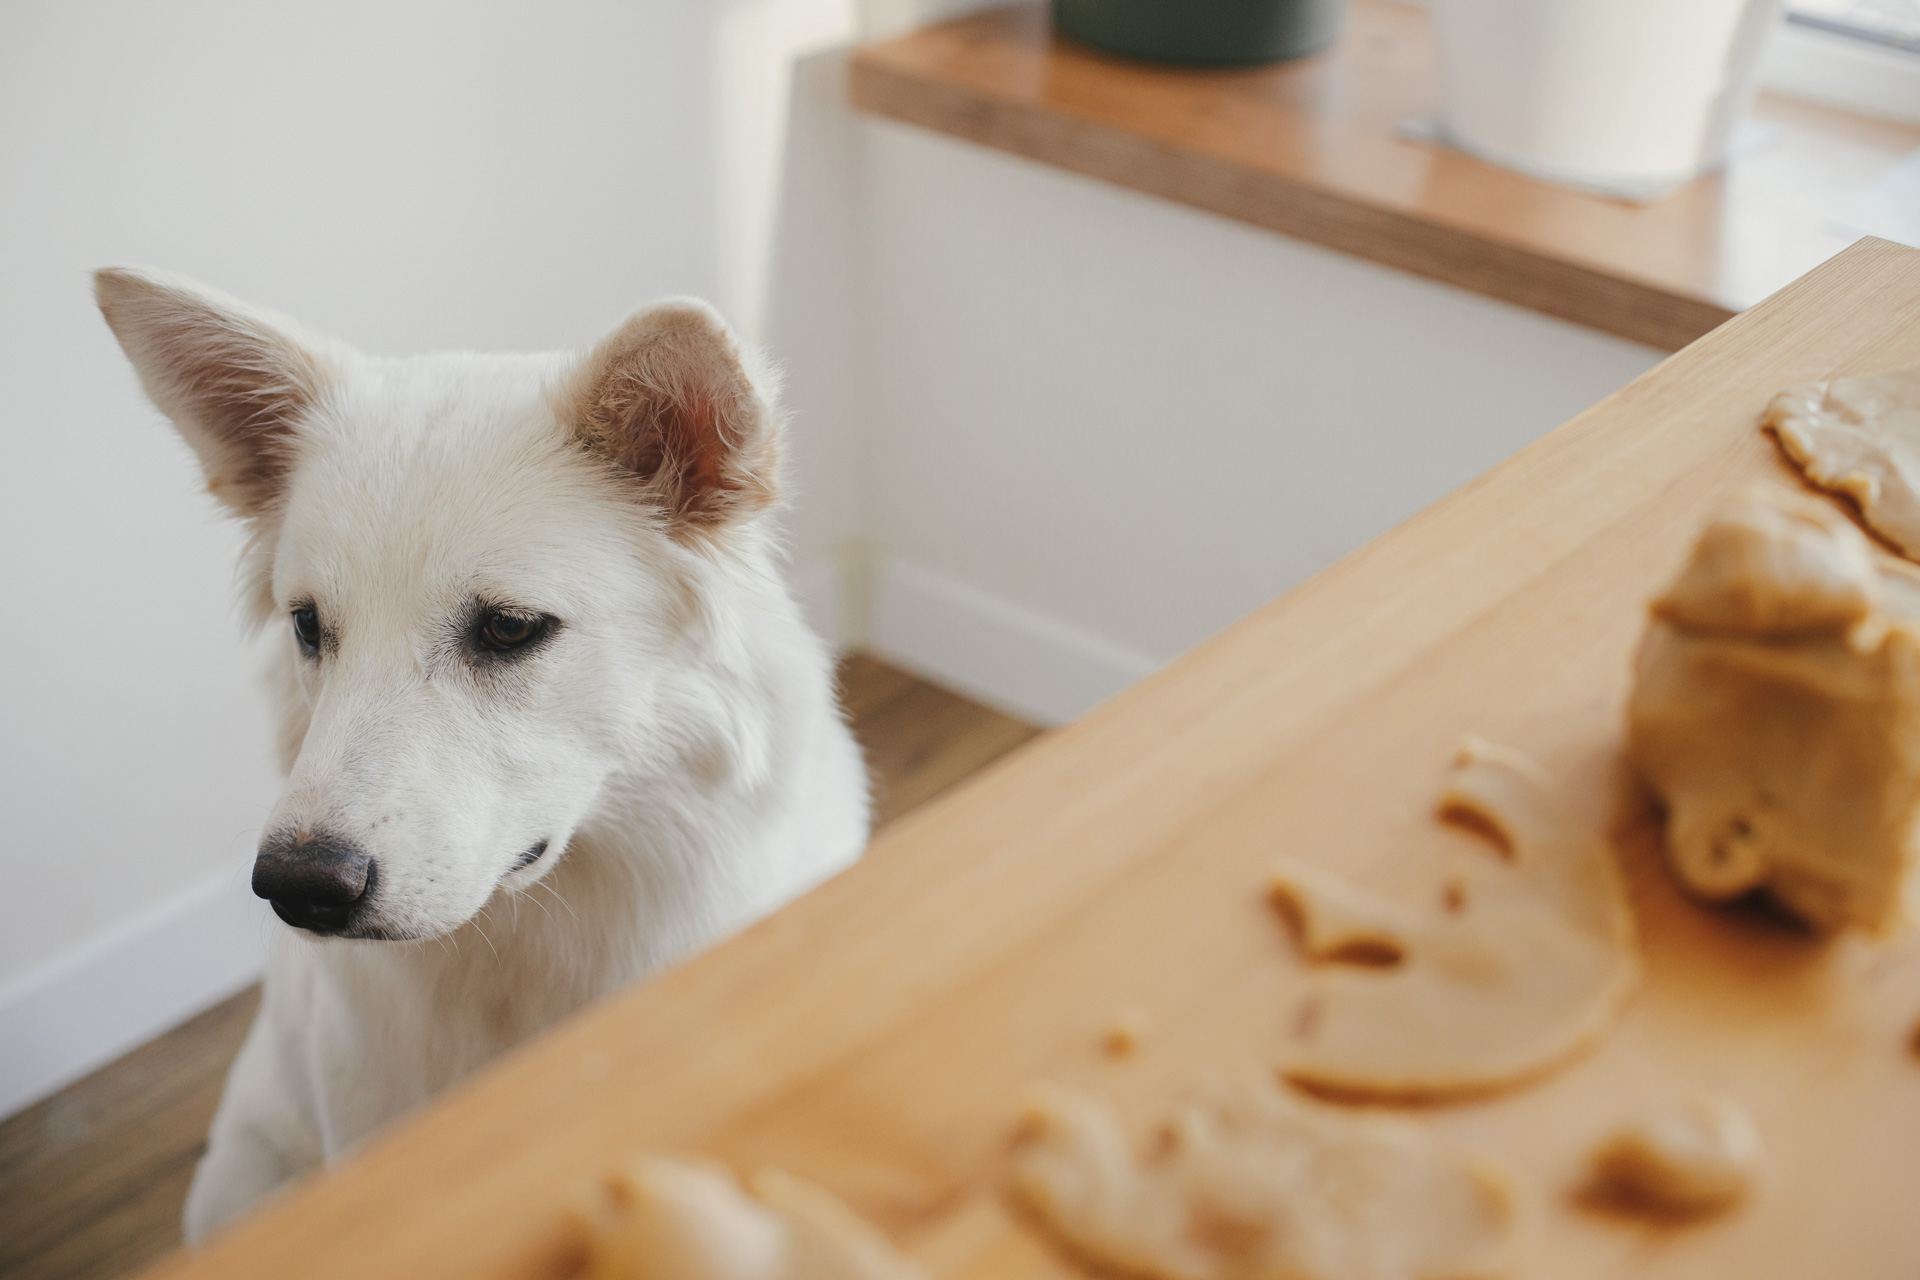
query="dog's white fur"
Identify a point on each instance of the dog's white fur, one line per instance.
(676, 741)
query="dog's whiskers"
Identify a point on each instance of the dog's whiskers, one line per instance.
(484, 938)
(542, 884)
(522, 893)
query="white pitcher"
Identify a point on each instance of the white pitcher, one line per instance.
(1600, 92)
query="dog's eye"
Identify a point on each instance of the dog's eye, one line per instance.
(502, 632)
(306, 625)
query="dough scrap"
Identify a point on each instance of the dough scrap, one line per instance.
(1859, 437)
(1246, 1183)
(686, 1220)
(1776, 711)
(1526, 960)
(1695, 1157)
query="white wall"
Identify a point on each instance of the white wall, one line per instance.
(1095, 426)
(816, 322)
(1145, 421)
(757, 44)
(406, 173)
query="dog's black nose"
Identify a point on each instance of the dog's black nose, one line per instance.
(314, 882)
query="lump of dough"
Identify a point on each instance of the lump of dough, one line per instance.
(1246, 1183)
(682, 1220)
(1775, 565)
(1526, 960)
(1696, 1157)
(1860, 437)
(1776, 711)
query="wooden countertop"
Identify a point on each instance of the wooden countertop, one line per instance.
(1310, 149)
(877, 1034)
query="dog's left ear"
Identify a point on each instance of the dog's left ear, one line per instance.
(667, 398)
(236, 380)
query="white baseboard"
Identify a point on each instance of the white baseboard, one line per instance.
(1001, 654)
(89, 1006)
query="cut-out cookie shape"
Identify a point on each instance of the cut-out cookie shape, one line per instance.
(1525, 961)
(1247, 1183)
(1860, 437)
(1776, 711)
(683, 1220)
(1693, 1158)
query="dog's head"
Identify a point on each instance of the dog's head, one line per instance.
(483, 569)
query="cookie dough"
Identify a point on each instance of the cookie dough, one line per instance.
(1692, 1158)
(1523, 961)
(1776, 712)
(1860, 437)
(1246, 1183)
(684, 1220)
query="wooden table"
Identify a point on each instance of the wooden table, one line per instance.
(1313, 149)
(877, 1034)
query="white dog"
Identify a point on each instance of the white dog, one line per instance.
(550, 717)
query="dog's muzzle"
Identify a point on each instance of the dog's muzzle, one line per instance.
(316, 882)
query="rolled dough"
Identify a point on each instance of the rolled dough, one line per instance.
(1524, 961)
(1861, 437)
(685, 1220)
(1247, 1183)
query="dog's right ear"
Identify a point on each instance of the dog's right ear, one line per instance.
(668, 399)
(235, 380)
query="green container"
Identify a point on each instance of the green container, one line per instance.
(1213, 33)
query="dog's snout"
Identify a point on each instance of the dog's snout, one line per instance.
(315, 882)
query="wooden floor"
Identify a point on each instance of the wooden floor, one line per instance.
(92, 1179)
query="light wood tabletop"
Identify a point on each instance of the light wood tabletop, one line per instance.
(878, 1035)
(1313, 149)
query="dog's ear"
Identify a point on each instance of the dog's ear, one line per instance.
(235, 380)
(668, 399)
